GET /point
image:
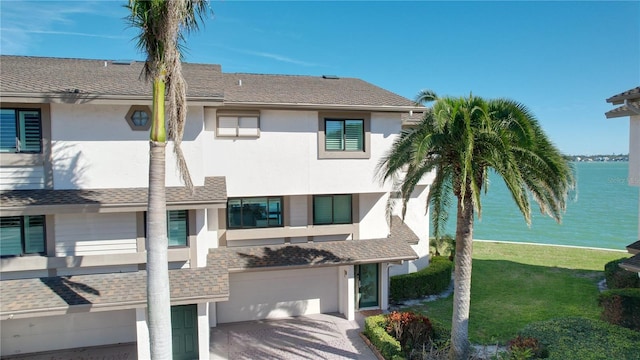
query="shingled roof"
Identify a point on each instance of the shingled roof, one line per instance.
(632, 263)
(26, 78)
(19, 202)
(296, 90)
(58, 78)
(97, 292)
(331, 253)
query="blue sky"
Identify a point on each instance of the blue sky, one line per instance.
(561, 59)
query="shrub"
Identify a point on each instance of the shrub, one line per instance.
(431, 280)
(621, 307)
(423, 334)
(410, 329)
(375, 331)
(443, 246)
(526, 348)
(619, 278)
(584, 339)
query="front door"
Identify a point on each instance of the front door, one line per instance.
(184, 328)
(368, 284)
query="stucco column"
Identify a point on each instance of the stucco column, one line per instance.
(213, 319)
(203, 331)
(142, 334)
(346, 291)
(384, 286)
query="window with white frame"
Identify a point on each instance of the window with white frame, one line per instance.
(238, 123)
(20, 131)
(22, 235)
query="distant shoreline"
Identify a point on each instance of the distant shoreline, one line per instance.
(556, 245)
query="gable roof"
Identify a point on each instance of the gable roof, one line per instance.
(60, 79)
(29, 79)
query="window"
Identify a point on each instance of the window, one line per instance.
(22, 235)
(331, 209)
(344, 135)
(177, 227)
(246, 213)
(139, 118)
(20, 131)
(238, 124)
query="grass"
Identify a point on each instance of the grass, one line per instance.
(516, 284)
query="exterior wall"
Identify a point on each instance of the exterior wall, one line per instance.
(22, 177)
(279, 293)
(373, 208)
(90, 141)
(634, 150)
(95, 234)
(67, 331)
(417, 219)
(284, 159)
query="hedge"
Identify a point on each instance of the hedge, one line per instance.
(621, 307)
(431, 280)
(584, 339)
(618, 278)
(374, 329)
(390, 348)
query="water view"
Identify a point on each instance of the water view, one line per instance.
(603, 214)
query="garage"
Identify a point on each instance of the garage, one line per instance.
(279, 293)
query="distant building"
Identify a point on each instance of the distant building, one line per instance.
(630, 106)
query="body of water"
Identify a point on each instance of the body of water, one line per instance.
(603, 213)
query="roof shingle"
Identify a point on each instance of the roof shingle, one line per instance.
(301, 90)
(74, 80)
(58, 295)
(58, 77)
(213, 191)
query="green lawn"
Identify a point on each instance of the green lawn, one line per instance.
(515, 284)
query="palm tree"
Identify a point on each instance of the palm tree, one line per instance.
(162, 25)
(464, 140)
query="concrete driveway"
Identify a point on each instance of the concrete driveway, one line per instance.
(324, 336)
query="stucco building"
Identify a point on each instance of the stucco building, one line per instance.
(286, 219)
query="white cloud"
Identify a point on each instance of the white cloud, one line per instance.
(271, 56)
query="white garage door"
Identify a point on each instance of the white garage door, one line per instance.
(67, 331)
(278, 294)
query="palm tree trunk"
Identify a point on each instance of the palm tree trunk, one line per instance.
(462, 280)
(158, 292)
